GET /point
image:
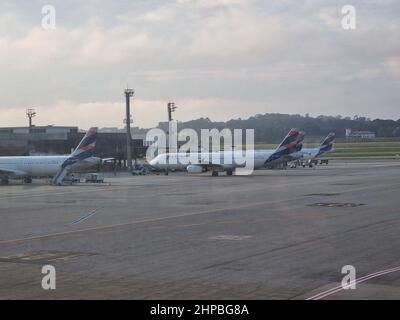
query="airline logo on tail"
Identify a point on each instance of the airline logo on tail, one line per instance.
(299, 142)
(327, 144)
(287, 146)
(84, 150)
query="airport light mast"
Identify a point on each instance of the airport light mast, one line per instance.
(30, 113)
(171, 108)
(128, 120)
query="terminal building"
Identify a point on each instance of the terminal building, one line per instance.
(360, 134)
(51, 140)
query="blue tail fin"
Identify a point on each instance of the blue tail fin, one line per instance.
(287, 146)
(85, 148)
(327, 144)
(299, 142)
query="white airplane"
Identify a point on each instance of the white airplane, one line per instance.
(308, 154)
(226, 159)
(51, 166)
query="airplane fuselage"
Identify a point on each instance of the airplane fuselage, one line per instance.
(227, 160)
(308, 154)
(39, 166)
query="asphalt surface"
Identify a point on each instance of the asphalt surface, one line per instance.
(279, 234)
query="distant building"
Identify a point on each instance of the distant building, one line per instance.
(360, 134)
(43, 140)
(22, 141)
(48, 130)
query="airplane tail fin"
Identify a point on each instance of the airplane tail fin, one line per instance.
(87, 146)
(289, 143)
(84, 150)
(287, 146)
(299, 141)
(327, 144)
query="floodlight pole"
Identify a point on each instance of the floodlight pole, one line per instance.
(128, 94)
(30, 113)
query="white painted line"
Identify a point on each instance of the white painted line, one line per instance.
(230, 237)
(84, 218)
(334, 290)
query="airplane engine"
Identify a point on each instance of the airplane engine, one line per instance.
(192, 168)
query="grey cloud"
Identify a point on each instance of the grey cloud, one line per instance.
(257, 56)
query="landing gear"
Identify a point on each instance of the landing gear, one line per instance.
(229, 173)
(28, 180)
(4, 182)
(215, 174)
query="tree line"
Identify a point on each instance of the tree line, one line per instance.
(271, 127)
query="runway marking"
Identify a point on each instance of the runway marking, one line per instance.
(190, 225)
(334, 290)
(73, 190)
(127, 187)
(43, 256)
(65, 233)
(230, 222)
(336, 205)
(230, 237)
(254, 204)
(84, 218)
(43, 194)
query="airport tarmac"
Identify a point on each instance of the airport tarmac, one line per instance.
(279, 234)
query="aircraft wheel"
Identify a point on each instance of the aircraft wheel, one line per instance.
(4, 182)
(28, 180)
(215, 173)
(229, 173)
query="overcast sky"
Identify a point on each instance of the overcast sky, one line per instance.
(220, 59)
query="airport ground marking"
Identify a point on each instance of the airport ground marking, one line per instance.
(66, 233)
(337, 289)
(133, 187)
(254, 204)
(127, 187)
(84, 218)
(74, 190)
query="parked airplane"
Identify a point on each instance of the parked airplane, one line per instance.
(287, 155)
(307, 155)
(51, 166)
(226, 159)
